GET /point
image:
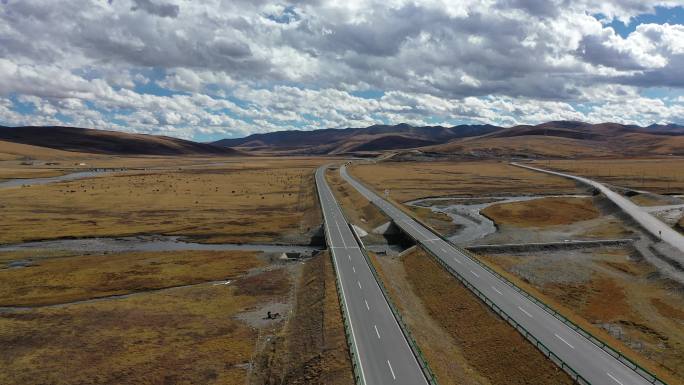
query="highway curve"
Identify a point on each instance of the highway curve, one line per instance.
(595, 365)
(652, 224)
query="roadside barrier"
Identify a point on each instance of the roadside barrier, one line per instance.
(538, 344)
(643, 372)
(420, 357)
(351, 344)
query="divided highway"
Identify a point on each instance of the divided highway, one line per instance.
(652, 224)
(591, 362)
(381, 348)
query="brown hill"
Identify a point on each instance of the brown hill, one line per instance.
(564, 139)
(352, 140)
(107, 142)
(568, 140)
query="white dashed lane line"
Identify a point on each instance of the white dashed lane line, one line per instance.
(613, 378)
(525, 311)
(391, 370)
(567, 343)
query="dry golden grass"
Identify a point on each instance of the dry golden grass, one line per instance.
(621, 293)
(525, 146)
(445, 357)
(542, 212)
(655, 175)
(26, 172)
(361, 212)
(186, 335)
(14, 151)
(487, 349)
(67, 279)
(356, 207)
(312, 348)
(413, 180)
(262, 200)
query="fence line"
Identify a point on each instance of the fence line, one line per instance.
(643, 372)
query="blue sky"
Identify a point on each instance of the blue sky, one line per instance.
(214, 69)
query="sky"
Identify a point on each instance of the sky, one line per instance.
(212, 69)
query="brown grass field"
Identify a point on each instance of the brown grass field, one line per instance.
(264, 200)
(624, 302)
(412, 180)
(311, 348)
(363, 213)
(463, 341)
(356, 207)
(63, 280)
(182, 335)
(542, 212)
(655, 175)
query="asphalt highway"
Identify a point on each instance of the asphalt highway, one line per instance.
(382, 350)
(594, 364)
(652, 224)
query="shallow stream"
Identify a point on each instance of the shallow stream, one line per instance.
(473, 225)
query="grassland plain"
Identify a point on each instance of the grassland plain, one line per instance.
(363, 213)
(198, 332)
(311, 349)
(265, 200)
(66, 279)
(542, 212)
(184, 335)
(624, 301)
(412, 180)
(661, 176)
(464, 341)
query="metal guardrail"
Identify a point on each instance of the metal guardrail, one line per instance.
(356, 365)
(640, 370)
(538, 344)
(420, 357)
(643, 372)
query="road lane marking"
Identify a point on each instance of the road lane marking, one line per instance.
(459, 261)
(475, 274)
(359, 284)
(341, 236)
(530, 315)
(444, 250)
(351, 324)
(354, 269)
(349, 255)
(566, 342)
(366, 302)
(391, 370)
(614, 379)
(497, 290)
(376, 331)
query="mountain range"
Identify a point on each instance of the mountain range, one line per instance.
(564, 139)
(107, 142)
(557, 138)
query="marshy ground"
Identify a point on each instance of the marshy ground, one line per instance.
(610, 290)
(182, 317)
